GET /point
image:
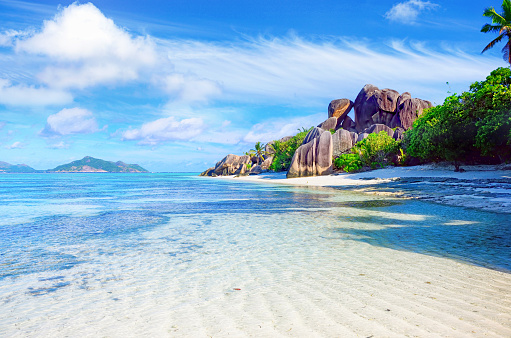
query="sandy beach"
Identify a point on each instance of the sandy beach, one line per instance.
(484, 187)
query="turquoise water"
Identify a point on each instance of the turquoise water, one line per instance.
(71, 243)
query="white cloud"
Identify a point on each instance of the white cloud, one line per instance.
(88, 48)
(70, 121)
(22, 95)
(408, 12)
(60, 145)
(7, 38)
(165, 129)
(16, 145)
(274, 129)
(187, 88)
(298, 71)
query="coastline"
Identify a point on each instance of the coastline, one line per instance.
(484, 187)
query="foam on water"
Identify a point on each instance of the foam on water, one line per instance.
(174, 255)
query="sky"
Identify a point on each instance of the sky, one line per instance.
(175, 85)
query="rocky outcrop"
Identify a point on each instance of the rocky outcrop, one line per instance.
(229, 165)
(386, 106)
(330, 123)
(342, 142)
(313, 158)
(312, 134)
(375, 110)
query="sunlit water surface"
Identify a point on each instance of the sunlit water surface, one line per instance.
(158, 254)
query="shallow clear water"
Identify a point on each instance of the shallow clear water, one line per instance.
(145, 254)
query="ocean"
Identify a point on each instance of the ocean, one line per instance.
(177, 255)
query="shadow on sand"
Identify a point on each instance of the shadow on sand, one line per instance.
(475, 237)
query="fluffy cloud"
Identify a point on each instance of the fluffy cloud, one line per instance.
(89, 49)
(165, 129)
(70, 121)
(21, 95)
(407, 12)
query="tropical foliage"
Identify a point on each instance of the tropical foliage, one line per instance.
(473, 126)
(375, 151)
(284, 151)
(501, 24)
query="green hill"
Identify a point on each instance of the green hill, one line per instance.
(15, 168)
(91, 164)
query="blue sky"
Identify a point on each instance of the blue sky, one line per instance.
(176, 85)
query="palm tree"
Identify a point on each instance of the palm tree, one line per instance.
(259, 151)
(501, 23)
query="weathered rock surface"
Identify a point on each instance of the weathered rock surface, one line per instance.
(232, 165)
(341, 142)
(408, 111)
(361, 136)
(340, 108)
(386, 106)
(398, 134)
(376, 128)
(255, 170)
(313, 158)
(312, 134)
(267, 163)
(330, 123)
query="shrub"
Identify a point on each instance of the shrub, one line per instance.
(375, 151)
(284, 151)
(467, 126)
(348, 162)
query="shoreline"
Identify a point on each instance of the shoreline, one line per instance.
(483, 187)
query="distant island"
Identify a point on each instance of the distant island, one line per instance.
(15, 168)
(87, 164)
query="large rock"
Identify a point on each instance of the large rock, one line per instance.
(330, 123)
(398, 134)
(361, 137)
(341, 142)
(231, 165)
(408, 111)
(348, 124)
(340, 108)
(255, 170)
(312, 134)
(208, 172)
(313, 158)
(267, 163)
(377, 128)
(386, 106)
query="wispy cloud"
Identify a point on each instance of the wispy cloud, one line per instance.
(23, 95)
(295, 70)
(70, 121)
(16, 145)
(407, 12)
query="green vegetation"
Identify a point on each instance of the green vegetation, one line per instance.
(93, 164)
(284, 151)
(501, 24)
(471, 127)
(375, 151)
(259, 151)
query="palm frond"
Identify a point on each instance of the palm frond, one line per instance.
(506, 7)
(490, 28)
(495, 17)
(491, 44)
